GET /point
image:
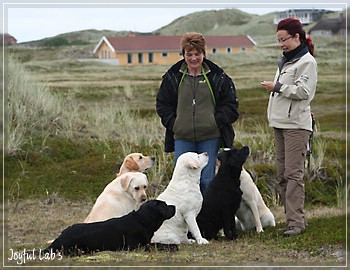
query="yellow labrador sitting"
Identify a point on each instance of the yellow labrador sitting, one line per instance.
(123, 195)
(183, 191)
(136, 162)
(252, 212)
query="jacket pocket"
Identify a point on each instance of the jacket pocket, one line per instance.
(287, 76)
(282, 111)
(294, 111)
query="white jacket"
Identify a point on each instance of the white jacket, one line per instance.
(289, 108)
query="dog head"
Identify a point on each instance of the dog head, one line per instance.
(136, 162)
(190, 163)
(155, 212)
(135, 184)
(234, 157)
(193, 161)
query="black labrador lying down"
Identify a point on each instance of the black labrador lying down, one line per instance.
(128, 232)
(223, 196)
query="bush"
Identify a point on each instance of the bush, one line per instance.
(55, 42)
(31, 107)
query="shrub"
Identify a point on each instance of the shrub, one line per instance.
(31, 108)
(54, 42)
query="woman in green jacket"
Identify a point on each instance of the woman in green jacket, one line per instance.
(197, 104)
(289, 113)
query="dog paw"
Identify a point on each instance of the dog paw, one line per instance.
(259, 230)
(191, 241)
(202, 241)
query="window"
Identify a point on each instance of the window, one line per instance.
(129, 58)
(214, 50)
(164, 54)
(140, 57)
(150, 57)
(229, 50)
(243, 49)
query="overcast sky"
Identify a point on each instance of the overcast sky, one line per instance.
(27, 22)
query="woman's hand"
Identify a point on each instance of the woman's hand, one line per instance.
(269, 86)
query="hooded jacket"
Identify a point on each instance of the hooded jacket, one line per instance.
(226, 108)
(289, 103)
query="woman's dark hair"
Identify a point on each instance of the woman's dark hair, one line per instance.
(294, 26)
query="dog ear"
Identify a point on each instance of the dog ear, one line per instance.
(194, 164)
(125, 181)
(131, 164)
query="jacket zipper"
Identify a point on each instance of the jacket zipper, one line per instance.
(194, 109)
(290, 109)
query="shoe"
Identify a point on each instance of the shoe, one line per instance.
(293, 231)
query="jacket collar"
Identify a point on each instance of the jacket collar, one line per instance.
(211, 66)
(293, 56)
(204, 65)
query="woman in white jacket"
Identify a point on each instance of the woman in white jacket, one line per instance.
(289, 113)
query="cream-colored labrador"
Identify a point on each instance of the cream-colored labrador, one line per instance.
(253, 212)
(123, 195)
(136, 162)
(183, 191)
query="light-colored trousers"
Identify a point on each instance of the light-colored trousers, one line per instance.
(291, 149)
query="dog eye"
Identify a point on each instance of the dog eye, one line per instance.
(145, 187)
(137, 188)
(140, 157)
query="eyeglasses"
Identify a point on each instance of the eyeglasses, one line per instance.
(283, 40)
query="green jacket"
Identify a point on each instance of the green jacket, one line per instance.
(226, 102)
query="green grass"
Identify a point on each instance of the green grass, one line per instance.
(317, 246)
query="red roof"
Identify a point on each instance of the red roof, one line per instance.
(7, 39)
(169, 43)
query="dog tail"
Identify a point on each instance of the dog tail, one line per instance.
(50, 241)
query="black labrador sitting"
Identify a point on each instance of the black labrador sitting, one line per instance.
(128, 232)
(223, 196)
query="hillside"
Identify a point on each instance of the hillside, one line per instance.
(219, 22)
(214, 22)
(88, 36)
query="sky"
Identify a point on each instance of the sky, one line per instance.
(28, 22)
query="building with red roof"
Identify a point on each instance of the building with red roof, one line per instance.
(7, 39)
(162, 50)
